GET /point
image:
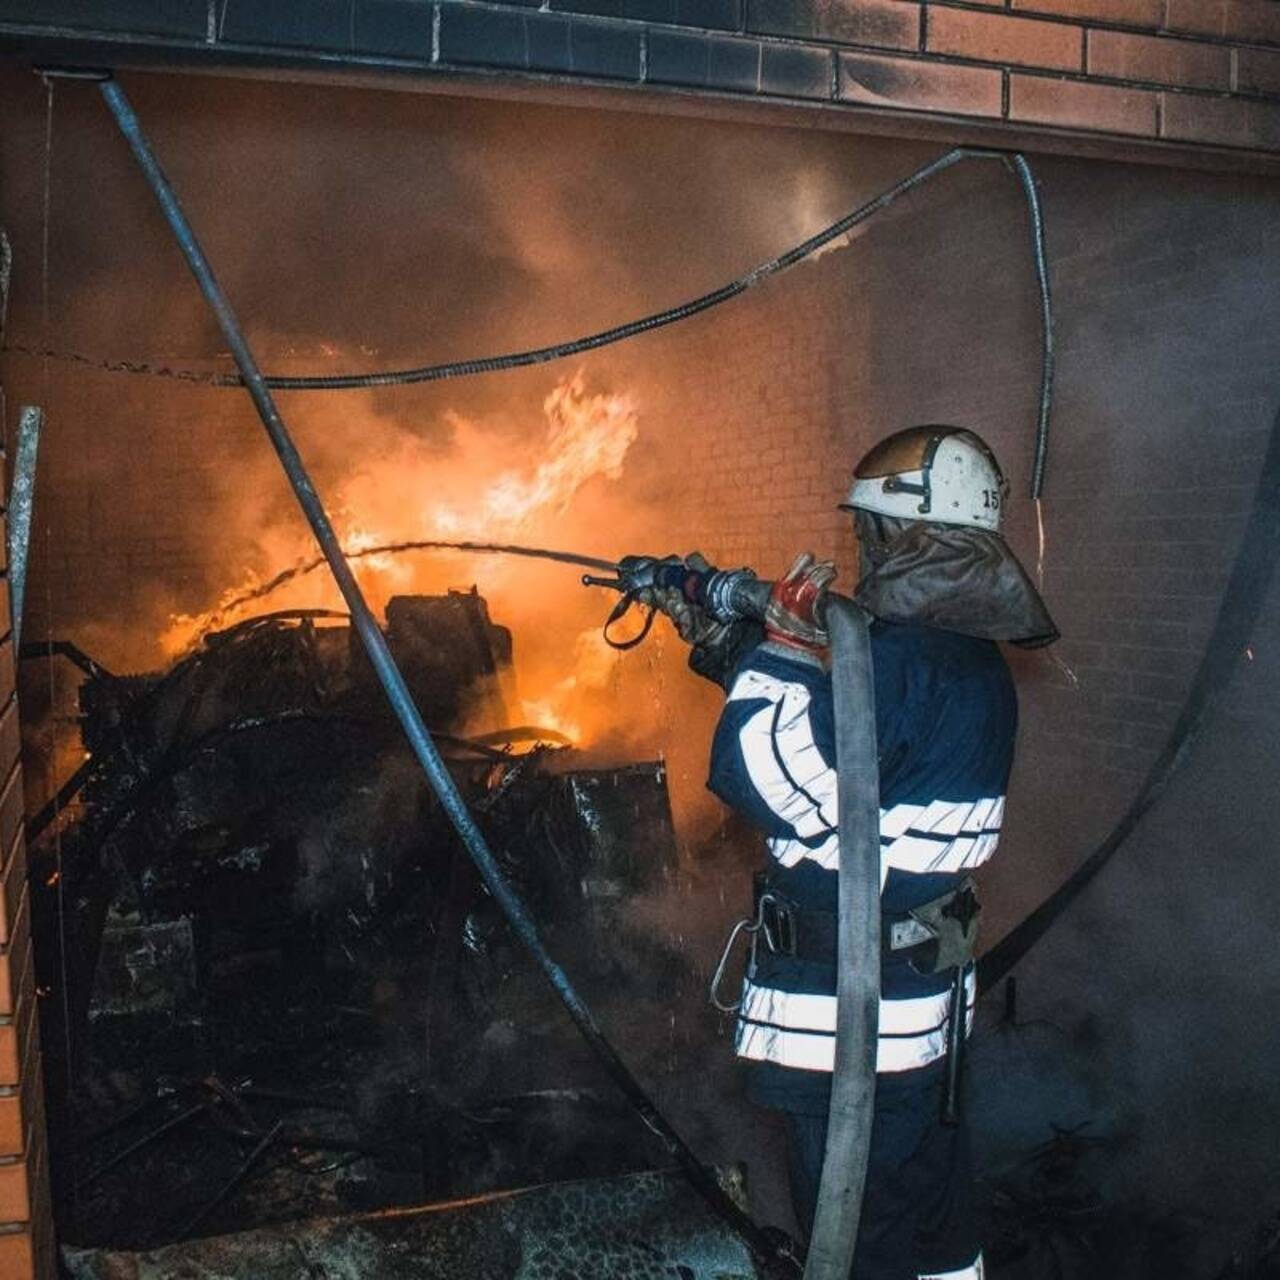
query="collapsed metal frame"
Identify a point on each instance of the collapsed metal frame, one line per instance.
(776, 1257)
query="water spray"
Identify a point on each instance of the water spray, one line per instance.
(624, 579)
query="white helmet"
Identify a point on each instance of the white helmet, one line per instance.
(943, 474)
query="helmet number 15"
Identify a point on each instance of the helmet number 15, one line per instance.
(991, 499)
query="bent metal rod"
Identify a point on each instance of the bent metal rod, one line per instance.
(775, 1257)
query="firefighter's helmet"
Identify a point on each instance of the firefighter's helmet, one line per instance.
(937, 473)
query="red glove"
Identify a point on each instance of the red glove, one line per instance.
(796, 605)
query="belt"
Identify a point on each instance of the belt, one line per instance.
(805, 933)
(938, 934)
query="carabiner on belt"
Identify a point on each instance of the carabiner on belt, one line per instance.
(748, 926)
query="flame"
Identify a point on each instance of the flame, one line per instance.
(571, 703)
(586, 438)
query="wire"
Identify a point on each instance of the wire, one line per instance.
(1018, 164)
(1040, 460)
(634, 328)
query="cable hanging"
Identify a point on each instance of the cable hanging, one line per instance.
(1016, 163)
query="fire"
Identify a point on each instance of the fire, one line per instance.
(581, 696)
(414, 490)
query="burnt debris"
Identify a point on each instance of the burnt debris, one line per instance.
(643, 1225)
(283, 991)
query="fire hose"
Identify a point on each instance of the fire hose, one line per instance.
(775, 1256)
(853, 1080)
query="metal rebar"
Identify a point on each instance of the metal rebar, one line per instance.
(64, 649)
(775, 1258)
(232, 1182)
(174, 1122)
(50, 811)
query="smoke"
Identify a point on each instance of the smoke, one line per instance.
(363, 230)
(354, 229)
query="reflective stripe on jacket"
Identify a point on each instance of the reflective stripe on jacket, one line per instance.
(946, 716)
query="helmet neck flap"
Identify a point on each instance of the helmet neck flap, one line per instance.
(953, 577)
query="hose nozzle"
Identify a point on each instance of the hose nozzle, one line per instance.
(731, 594)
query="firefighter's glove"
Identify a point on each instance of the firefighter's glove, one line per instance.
(797, 605)
(686, 607)
(643, 577)
(672, 586)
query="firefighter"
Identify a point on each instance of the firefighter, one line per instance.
(941, 587)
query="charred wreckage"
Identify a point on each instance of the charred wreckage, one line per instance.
(283, 990)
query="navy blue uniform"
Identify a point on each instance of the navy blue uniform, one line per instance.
(946, 717)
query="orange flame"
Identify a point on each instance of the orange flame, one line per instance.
(586, 438)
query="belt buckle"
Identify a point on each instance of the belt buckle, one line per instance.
(778, 924)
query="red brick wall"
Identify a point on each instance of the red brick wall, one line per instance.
(1202, 72)
(26, 1220)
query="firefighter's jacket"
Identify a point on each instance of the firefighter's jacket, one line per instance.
(946, 716)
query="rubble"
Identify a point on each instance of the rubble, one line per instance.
(144, 968)
(289, 993)
(641, 1227)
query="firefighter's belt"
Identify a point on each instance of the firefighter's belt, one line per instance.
(939, 934)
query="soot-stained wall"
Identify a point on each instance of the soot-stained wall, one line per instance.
(1175, 72)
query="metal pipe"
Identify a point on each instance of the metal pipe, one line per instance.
(22, 493)
(362, 619)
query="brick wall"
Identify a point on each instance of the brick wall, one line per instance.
(1202, 72)
(1165, 300)
(26, 1220)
